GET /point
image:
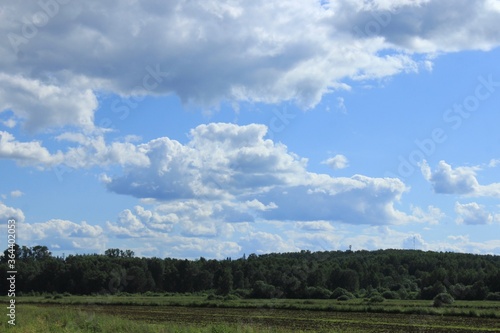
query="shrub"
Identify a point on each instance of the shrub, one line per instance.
(263, 290)
(318, 292)
(377, 299)
(493, 296)
(390, 295)
(213, 297)
(241, 293)
(231, 297)
(341, 292)
(442, 299)
(343, 298)
(432, 291)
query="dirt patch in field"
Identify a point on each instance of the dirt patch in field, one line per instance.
(316, 321)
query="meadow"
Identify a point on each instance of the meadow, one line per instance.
(204, 313)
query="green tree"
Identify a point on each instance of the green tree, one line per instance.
(225, 282)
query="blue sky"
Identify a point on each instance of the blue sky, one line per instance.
(218, 128)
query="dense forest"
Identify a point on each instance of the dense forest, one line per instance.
(401, 274)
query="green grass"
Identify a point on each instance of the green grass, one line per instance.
(58, 318)
(34, 319)
(486, 309)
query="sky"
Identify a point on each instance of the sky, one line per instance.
(218, 128)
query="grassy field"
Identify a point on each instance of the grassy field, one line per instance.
(195, 313)
(484, 309)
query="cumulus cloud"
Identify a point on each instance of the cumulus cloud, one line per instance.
(415, 242)
(245, 177)
(141, 223)
(7, 212)
(64, 235)
(433, 215)
(264, 242)
(25, 153)
(337, 162)
(93, 150)
(89, 150)
(45, 105)
(460, 180)
(165, 234)
(220, 160)
(427, 26)
(54, 60)
(472, 213)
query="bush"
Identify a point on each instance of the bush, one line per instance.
(318, 292)
(242, 293)
(432, 291)
(213, 297)
(231, 297)
(493, 296)
(390, 295)
(341, 292)
(442, 299)
(377, 299)
(343, 298)
(263, 290)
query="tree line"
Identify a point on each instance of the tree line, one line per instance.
(401, 274)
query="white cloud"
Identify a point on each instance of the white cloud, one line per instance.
(426, 26)
(16, 193)
(463, 243)
(141, 223)
(221, 160)
(44, 105)
(9, 123)
(445, 179)
(472, 214)
(189, 247)
(7, 212)
(52, 73)
(25, 152)
(414, 242)
(64, 235)
(460, 180)
(341, 105)
(263, 242)
(432, 216)
(246, 176)
(337, 162)
(494, 163)
(320, 226)
(93, 150)
(90, 151)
